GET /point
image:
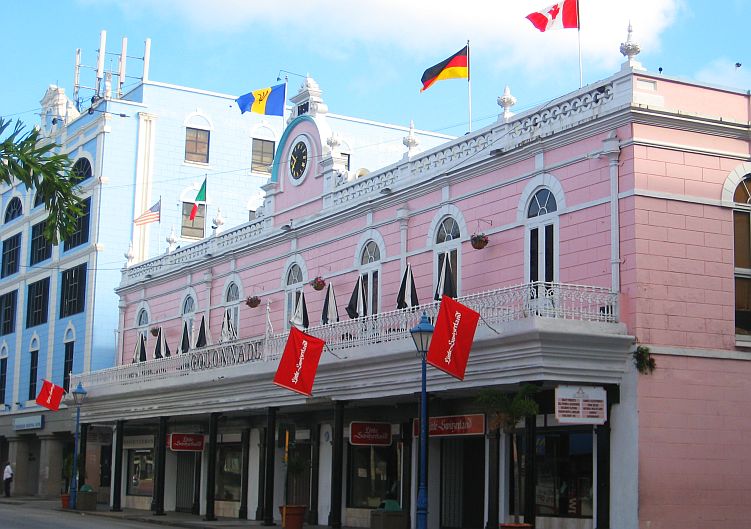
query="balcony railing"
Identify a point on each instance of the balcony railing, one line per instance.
(549, 300)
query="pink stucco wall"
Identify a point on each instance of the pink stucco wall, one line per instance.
(694, 437)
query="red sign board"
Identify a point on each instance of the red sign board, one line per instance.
(185, 442)
(370, 433)
(452, 425)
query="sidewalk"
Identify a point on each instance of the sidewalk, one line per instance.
(170, 519)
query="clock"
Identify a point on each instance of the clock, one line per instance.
(298, 160)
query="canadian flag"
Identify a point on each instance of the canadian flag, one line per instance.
(558, 16)
(50, 395)
(452, 339)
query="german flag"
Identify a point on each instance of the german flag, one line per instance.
(455, 67)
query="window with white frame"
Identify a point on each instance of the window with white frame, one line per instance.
(542, 244)
(196, 145)
(189, 313)
(293, 288)
(232, 300)
(3, 376)
(742, 256)
(193, 229)
(14, 209)
(81, 170)
(448, 242)
(262, 156)
(142, 321)
(370, 269)
(68, 364)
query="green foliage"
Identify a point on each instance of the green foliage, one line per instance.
(505, 410)
(643, 360)
(25, 157)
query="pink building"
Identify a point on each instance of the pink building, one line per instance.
(619, 228)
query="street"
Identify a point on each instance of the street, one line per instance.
(36, 514)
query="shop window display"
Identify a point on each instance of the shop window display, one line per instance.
(229, 474)
(140, 472)
(374, 475)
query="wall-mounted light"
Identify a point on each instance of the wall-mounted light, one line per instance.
(91, 111)
(279, 75)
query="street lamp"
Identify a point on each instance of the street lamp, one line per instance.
(79, 394)
(422, 333)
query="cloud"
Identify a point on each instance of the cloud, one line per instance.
(723, 72)
(428, 31)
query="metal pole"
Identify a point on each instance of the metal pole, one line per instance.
(74, 478)
(422, 490)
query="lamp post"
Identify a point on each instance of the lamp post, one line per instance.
(422, 333)
(79, 394)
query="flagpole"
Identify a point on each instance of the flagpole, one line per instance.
(469, 88)
(579, 34)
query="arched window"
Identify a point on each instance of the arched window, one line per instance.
(742, 250)
(370, 268)
(143, 318)
(14, 209)
(232, 298)
(542, 240)
(189, 312)
(447, 240)
(81, 170)
(294, 286)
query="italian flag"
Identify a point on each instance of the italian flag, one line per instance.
(200, 197)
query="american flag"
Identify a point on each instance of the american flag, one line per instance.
(150, 215)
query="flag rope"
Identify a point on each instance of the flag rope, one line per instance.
(488, 324)
(332, 352)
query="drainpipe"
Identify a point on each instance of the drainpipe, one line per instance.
(611, 149)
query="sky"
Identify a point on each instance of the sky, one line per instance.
(368, 57)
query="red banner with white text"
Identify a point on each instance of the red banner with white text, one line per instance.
(452, 339)
(299, 363)
(50, 395)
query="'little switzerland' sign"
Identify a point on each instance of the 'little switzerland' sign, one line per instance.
(299, 363)
(370, 433)
(452, 338)
(452, 425)
(186, 442)
(580, 405)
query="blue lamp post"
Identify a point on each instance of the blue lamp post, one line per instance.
(422, 333)
(79, 394)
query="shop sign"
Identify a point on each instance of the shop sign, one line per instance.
(185, 442)
(134, 442)
(580, 405)
(452, 425)
(370, 433)
(225, 356)
(31, 422)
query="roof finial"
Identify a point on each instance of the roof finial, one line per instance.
(410, 141)
(507, 101)
(631, 49)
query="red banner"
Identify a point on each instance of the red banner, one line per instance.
(370, 433)
(297, 368)
(452, 338)
(452, 425)
(50, 395)
(186, 442)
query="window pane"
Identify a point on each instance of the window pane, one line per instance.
(8, 313)
(81, 170)
(14, 209)
(229, 472)
(11, 253)
(742, 237)
(193, 228)
(742, 194)
(73, 291)
(37, 303)
(68, 364)
(80, 234)
(263, 156)
(197, 145)
(549, 255)
(533, 245)
(33, 365)
(140, 473)
(41, 248)
(742, 305)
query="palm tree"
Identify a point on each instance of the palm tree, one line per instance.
(26, 158)
(504, 411)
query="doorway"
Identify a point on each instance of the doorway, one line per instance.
(462, 482)
(184, 489)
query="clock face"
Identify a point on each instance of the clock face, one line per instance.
(298, 160)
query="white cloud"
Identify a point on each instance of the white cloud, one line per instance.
(428, 30)
(723, 72)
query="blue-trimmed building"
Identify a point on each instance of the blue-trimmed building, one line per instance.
(150, 147)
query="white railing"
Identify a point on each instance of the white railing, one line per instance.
(548, 300)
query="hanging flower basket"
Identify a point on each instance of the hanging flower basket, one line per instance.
(154, 331)
(253, 301)
(318, 283)
(479, 241)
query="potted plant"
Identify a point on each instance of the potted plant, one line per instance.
(318, 283)
(504, 412)
(154, 331)
(643, 360)
(293, 516)
(253, 301)
(479, 240)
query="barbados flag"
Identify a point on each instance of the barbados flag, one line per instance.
(268, 101)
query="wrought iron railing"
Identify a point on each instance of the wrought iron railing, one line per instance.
(549, 300)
